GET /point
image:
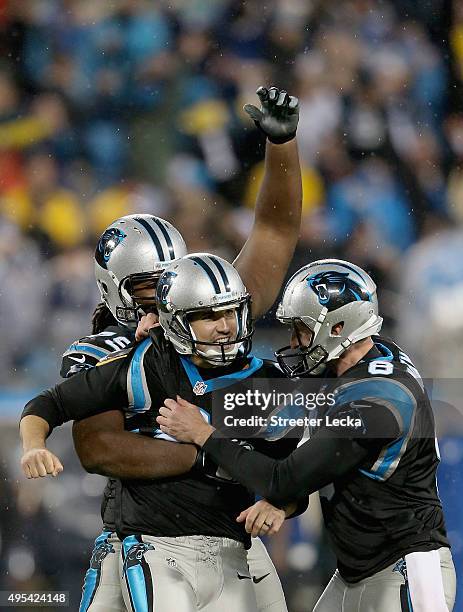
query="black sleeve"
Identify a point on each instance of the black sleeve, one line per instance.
(78, 362)
(330, 454)
(280, 449)
(276, 449)
(301, 506)
(88, 393)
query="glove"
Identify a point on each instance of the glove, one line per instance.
(278, 115)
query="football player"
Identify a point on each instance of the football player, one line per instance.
(262, 262)
(170, 526)
(382, 508)
(130, 256)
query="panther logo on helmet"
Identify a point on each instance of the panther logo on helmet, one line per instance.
(107, 243)
(335, 289)
(164, 286)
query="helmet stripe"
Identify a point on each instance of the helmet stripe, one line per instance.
(165, 233)
(154, 237)
(221, 270)
(208, 270)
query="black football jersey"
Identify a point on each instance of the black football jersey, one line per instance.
(82, 355)
(88, 351)
(137, 381)
(389, 505)
(377, 478)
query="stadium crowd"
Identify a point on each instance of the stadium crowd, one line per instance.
(110, 108)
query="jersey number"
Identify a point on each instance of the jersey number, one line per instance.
(384, 368)
(118, 343)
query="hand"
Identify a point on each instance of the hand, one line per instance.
(278, 115)
(39, 462)
(184, 421)
(262, 519)
(146, 323)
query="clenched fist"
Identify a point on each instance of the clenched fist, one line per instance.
(39, 462)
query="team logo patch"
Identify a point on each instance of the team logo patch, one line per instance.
(200, 388)
(76, 368)
(401, 568)
(107, 243)
(136, 554)
(335, 289)
(100, 553)
(164, 286)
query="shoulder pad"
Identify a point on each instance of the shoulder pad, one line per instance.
(82, 355)
(98, 346)
(115, 330)
(137, 386)
(71, 365)
(115, 356)
(388, 344)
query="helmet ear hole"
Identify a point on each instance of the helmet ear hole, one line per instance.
(104, 286)
(337, 329)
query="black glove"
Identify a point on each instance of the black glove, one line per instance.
(278, 115)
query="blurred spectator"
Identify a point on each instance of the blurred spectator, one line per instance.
(22, 301)
(131, 106)
(431, 282)
(43, 208)
(372, 197)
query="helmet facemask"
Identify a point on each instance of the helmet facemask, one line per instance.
(304, 359)
(136, 305)
(335, 301)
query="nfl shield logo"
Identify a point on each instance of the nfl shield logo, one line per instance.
(200, 388)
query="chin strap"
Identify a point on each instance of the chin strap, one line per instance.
(370, 327)
(212, 355)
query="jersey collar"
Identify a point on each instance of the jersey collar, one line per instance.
(201, 386)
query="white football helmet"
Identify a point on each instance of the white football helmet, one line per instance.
(134, 249)
(321, 295)
(199, 282)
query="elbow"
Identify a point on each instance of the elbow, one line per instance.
(95, 457)
(91, 464)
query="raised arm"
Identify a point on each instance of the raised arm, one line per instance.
(264, 259)
(104, 447)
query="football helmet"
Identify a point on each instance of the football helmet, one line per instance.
(321, 295)
(132, 252)
(198, 282)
